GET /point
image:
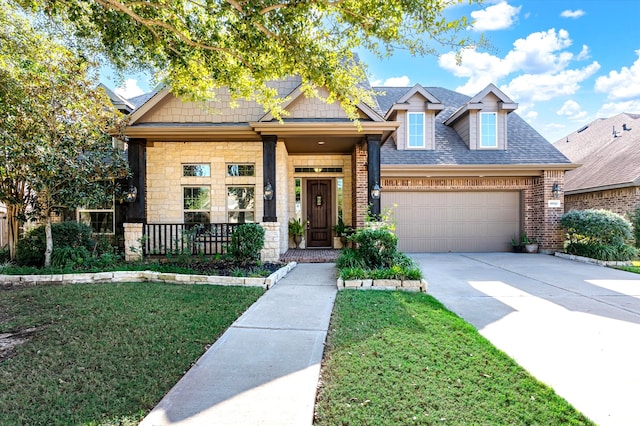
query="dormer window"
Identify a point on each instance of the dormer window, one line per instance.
(488, 130)
(416, 130)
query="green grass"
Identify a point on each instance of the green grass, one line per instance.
(106, 354)
(396, 358)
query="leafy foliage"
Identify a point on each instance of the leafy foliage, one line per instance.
(376, 247)
(199, 47)
(599, 234)
(247, 241)
(31, 248)
(54, 120)
(634, 217)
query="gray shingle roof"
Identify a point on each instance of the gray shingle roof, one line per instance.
(524, 144)
(606, 160)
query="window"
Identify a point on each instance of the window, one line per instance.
(240, 204)
(488, 130)
(199, 170)
(415, 130)
(99, 218)
(241, 170)
(197, 204)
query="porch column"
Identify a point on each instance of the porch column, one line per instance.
(373, 172)
(138, 164)
(269, 176)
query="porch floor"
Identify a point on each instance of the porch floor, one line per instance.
(310, 255)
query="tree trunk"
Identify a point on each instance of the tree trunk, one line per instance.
(14, 230)
(49, 237)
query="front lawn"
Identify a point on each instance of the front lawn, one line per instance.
(396, 358)
(105, 354)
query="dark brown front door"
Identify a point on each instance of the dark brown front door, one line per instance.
(319, 213)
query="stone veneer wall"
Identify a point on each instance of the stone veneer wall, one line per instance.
(538, 220)
(165, 181)
(621, 201)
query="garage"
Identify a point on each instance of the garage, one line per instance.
(454, 221)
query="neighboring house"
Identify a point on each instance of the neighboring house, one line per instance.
(609, 178)
(465, 173)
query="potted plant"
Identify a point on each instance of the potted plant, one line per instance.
(516, 245)
(342, 231)
(530, 244)
(296, 230)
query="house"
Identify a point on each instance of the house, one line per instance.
(466, 174)
(609, 177)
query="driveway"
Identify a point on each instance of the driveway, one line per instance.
(574, 326)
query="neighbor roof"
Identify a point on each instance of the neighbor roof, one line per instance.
(608, 151)
(525, 145)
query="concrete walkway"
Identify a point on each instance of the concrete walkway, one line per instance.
(264, 369)
(574, 326)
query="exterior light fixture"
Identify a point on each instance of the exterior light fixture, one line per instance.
(317, 169)
(131, 194)
(375, 191)
(268, 192)
(555, 190)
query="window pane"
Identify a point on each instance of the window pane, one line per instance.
(488, 130)
(240, 170)
(240, 198)
(196, 217)
(100, 222)
(196, 170)
(241, 217)
(196, 198)
(416, 130)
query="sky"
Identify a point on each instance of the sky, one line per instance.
(566, 63)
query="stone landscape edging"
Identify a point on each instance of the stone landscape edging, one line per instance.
(146, 276)
(405, 285)
(593, 261)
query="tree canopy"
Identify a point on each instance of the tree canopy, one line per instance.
(199, 46)
(54, 148)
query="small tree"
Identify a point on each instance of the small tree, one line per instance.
(635, 221)
(53, 122)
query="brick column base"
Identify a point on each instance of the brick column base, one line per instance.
(132, 242)
(271, 250)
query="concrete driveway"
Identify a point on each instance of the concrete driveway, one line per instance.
(574, 326)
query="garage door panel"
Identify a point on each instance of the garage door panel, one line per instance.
(454, 221)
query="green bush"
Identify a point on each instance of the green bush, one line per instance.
(634, 217)
(599, 234)
(30, 249)
(4, 255)
(69, 257)
(349, 258)
(376, 247)
(247, 241)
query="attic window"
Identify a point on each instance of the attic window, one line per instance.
(488, 130)
(415, 130)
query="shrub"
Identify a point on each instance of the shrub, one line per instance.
(69, 257)
(376, 247)
(349, 258)
(4, 255)
(634, 217)
(599, 234)
(30, 249)
(247, 241)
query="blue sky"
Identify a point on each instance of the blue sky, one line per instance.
(564, 62)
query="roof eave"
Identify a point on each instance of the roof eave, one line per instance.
(482, 170)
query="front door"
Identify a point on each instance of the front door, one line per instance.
(319, 213)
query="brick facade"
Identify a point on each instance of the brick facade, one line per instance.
(361, 198)
(621, 200)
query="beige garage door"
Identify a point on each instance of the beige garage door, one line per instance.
(454, 221)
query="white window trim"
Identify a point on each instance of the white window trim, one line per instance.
(424, 130)
(481, 115)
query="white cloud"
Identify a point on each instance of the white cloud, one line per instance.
(614, 108)
(573, 14)
(572, 110)
(584, 53)
(543, 87)
(541, 56)
(496, 17)
(130, 89)
(402, 81)
(621, 85)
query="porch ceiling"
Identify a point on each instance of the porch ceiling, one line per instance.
(319, 144)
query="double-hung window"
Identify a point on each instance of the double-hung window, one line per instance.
(241, 204)
(98, 217)
(415, 130)
(488, 130)
(196, 204)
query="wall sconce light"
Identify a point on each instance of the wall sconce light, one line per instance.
(555, 190)
(375, 191)
(268, 192)
(131, 194)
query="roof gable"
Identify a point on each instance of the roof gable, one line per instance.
(477, 103)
